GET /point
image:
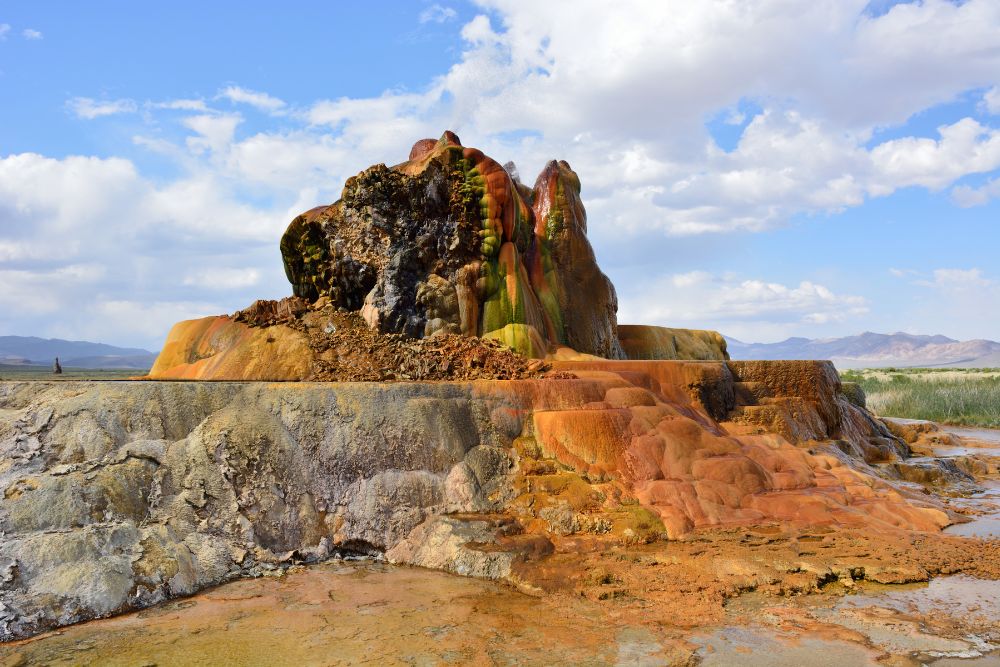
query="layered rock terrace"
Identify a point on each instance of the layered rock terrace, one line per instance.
(119, 495)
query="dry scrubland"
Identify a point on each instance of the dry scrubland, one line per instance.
(45, 373)
(968, 397)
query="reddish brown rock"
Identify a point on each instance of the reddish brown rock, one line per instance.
(266, 312)
(650, 342)
(220, 348)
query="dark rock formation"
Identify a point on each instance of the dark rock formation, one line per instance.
(450, 241)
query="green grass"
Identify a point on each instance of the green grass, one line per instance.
(968, 397)
(9, 373)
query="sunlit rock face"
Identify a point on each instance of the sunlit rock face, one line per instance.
(118, 495)
(641, 341)
(449, 241)
(220, 348)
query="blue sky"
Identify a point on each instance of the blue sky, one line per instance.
(767, 169)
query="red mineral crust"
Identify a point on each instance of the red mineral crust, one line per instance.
(440, 267)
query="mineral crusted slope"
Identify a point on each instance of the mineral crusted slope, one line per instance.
(118, 495)
(220, 348)
(651, 342)
(275, 341)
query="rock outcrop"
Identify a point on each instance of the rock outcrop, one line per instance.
(119, 495)
(222, 348)
(272, 342)
(449, 241)
(476, 459)
(650, 342)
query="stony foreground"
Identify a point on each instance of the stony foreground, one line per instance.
(120, 495)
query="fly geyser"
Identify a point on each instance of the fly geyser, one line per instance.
(458, 395)
(448, 243)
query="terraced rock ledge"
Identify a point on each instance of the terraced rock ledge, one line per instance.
(120, 495)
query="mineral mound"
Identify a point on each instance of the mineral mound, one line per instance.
(447, 274)
(450, 241)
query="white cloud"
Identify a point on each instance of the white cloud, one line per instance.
(991, 100)
(40, 292)
(30, 33)
(223, 278)
(961, 279)
(735, 117)
(109, 236)
(438, 14)
(85, 107)
(963, 300)
(4, 29)
(902, 273)
(967, 196)
(182, 105)
(214, 131)
(746, 308)
(258, 100)
(139, 320)
(966, 147)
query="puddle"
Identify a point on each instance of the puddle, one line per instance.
(966, 451)
(350, 613)
(951, 618)
(948, 605)
(975, 442)
(755, 646)
(990, 435)
(983, 525)
(354, 612)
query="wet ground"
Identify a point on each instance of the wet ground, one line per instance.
(952, 618)
(354, 613)
(986, 522)
(370, 613)
(985, 506)
(975, 442)
(367, 612)
(988, 435)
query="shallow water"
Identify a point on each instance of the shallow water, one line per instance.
(982, 525)
(951, 618)
(365, 612)
(948, 452)
(351, 613)
(991, 435)
(763, 647)
(975, 442)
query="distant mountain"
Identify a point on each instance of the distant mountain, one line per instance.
(29, 350)
(869, 350)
